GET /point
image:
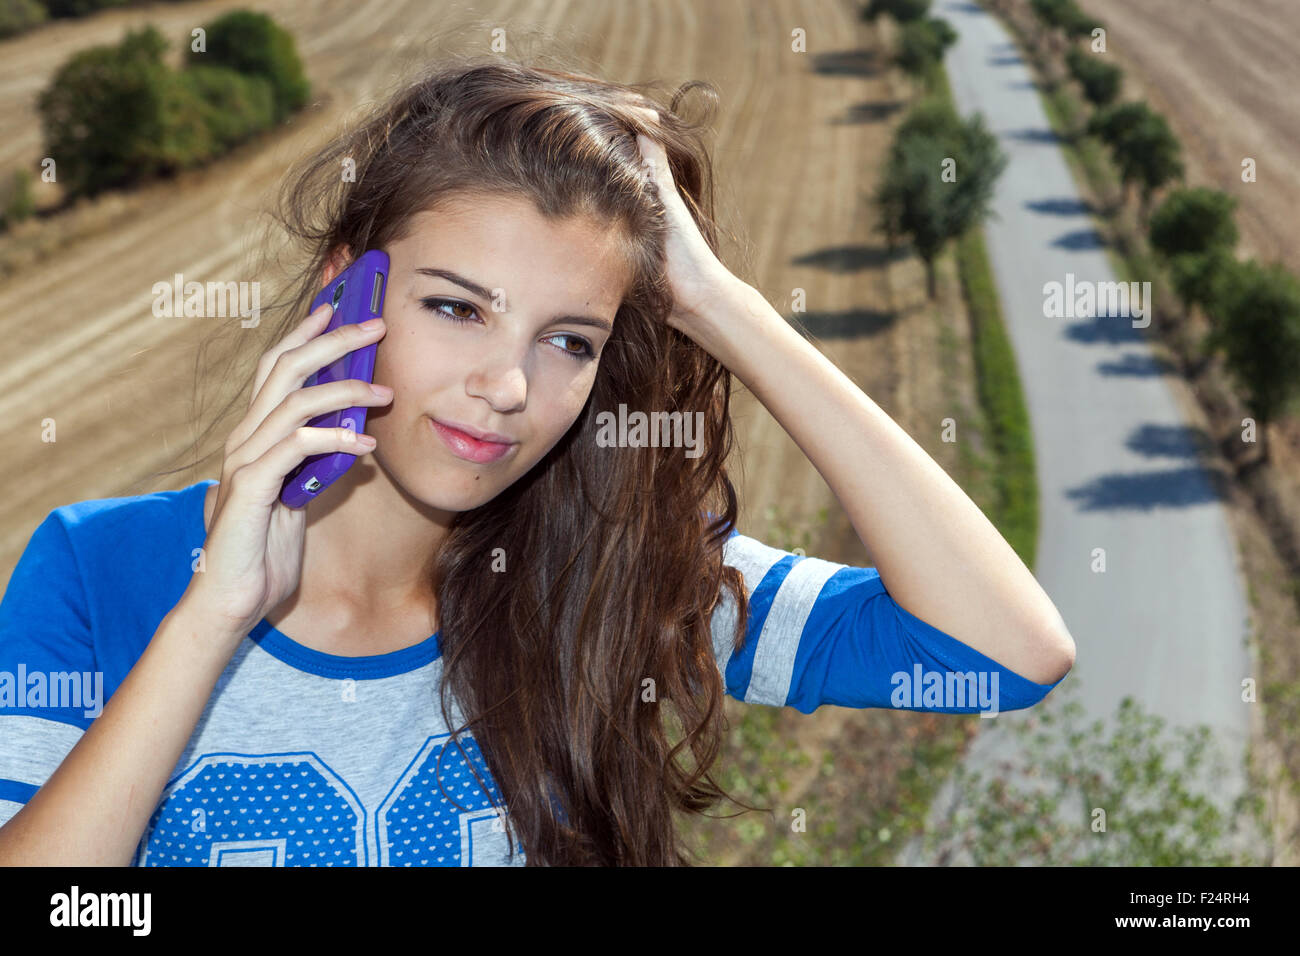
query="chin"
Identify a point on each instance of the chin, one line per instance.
(458, 493)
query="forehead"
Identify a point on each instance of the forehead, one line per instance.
(505, 242)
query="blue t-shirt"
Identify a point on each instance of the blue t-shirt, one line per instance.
(302, 758)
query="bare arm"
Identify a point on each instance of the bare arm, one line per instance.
(937, 554)
(94, 808)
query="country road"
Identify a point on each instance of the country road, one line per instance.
(796, 143)
(799, 139)
(82, 348)
(1117, 465)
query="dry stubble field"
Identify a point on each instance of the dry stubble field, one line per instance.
(799, 137)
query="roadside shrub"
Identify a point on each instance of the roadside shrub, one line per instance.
(19, 16)
(904, 11)
(233, 106)
(255, 45)
(922, 43)
(104, 111)
(16, 202)
(1100, 80)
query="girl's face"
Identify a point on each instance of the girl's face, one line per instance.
(521, 375)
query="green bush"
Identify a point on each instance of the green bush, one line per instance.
(187, 139)
(921, 44)
(116, 115)
(1113, 123)
(104, 112)
(1100, 80)
(16, 202)
(1143, 147)
(1255, 319)
(1194, 220)
(1044, 806)
(904, 11)
(233, 106)
(254, 44)
(79, 8)
(1196, 275)
(1066, 15)
(912, 197)
(19, 16)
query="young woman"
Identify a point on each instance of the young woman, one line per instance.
(494, 638)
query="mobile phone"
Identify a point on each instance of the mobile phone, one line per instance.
(357, 294)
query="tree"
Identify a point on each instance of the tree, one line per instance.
(1195, 276)
(917, 200)
(104, 113)
(1194, 219)
(233, 106)
(79, 8)
(19, 16)
(1065, 15)
(1042, 807)
(1194, 233)
(1150, 157)
(903, 11)
(1142, 146)
(16, 200)
(1110, 124)
(1255, 321)
(254, 44)
(1100, 80)
(922, 43)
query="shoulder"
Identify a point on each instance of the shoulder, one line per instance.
(100, 517)
(98, 575)
(131, 542)
(109, 543)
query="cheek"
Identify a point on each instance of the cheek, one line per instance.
(412, 362)
(555, 402)
(571, 397)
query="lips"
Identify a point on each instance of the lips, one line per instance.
(470, 446)
(475, 433)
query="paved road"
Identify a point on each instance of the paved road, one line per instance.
(1116, 464)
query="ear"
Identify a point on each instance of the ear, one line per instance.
(336, 264)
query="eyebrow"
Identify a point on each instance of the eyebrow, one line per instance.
(473, 287)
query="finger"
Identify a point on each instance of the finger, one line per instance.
(305, 331)
(264, 476)
(650, 115)
(289, 372)
(655, 160)
(304, 404)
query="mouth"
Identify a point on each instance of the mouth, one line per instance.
(467, 446)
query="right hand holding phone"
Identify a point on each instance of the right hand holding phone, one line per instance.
(254, 548)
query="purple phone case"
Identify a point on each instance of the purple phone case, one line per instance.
(358, 294)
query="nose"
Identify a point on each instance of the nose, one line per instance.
(500, 381)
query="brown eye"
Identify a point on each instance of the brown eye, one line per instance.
(436, 305)
(577, 348)
(583, 350)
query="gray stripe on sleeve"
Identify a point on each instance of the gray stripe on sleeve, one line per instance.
(779, 640)
(753, 559)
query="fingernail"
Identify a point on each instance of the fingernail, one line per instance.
(371, 324)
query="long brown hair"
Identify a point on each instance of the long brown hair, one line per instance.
(587, 669)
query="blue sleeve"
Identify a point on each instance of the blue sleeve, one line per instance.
(825, 633)
(49, 693)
